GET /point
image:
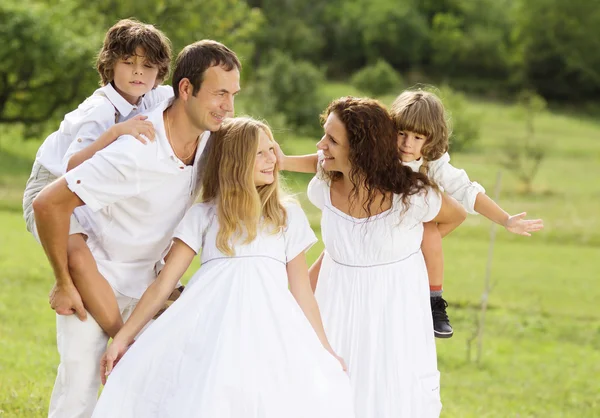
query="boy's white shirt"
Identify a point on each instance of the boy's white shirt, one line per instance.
(452, 180)
(135, 195)
(103, 109)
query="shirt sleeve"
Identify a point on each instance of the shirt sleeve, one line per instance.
(124, 169)
(455, 182)
(191, 228)
(298, 234)
(94, 117)
(425, 205)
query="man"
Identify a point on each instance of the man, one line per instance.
(135, 195)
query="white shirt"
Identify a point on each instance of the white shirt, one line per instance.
(452, 180)
(91, 119)
(135, 196)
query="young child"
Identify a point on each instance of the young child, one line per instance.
(423, 135)
(238, 342)
(134, 59)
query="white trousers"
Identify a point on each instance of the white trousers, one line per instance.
(40, 177)
(80, 345)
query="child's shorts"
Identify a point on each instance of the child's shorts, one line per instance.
(40, 177)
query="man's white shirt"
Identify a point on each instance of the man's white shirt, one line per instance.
(135, 195)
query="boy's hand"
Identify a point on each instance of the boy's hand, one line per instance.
(280, 156)
(517, 225)
(138, 127)
(65, 300)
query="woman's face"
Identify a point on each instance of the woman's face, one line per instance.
(335, 145)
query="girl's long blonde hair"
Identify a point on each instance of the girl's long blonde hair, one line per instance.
(228, 181)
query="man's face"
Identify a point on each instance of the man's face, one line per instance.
(214, 101)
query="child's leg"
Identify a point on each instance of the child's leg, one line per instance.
(434, 260)
(97, 295)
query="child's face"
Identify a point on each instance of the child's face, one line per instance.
(410, 145)
(264, 165)
(335, 145)
(134, 76)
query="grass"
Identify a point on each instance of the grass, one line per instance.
(541, 350)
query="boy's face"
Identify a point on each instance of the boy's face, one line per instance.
(264, 165)
(410, 145)
(134, 76)
(215, 99)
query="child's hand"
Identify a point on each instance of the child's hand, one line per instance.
(517, 225)
(279, 155)
(138, 127)
(111, 357)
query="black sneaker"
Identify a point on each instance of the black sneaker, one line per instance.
(441, 323)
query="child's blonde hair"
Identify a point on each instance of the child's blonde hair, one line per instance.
(228, 181)
(422, 112)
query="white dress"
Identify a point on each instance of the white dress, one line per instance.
(236, 343)
(373, 293)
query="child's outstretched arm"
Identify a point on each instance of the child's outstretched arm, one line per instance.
(298, 163)
(136, 126)
(472, 197)
(300, 288)
(153, 299)
(513, 223)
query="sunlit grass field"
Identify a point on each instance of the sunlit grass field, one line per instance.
(541, 348)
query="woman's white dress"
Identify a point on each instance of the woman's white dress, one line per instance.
(373, 293)
(236, 343)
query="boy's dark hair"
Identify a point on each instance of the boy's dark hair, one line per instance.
(193, 61)
(124, 38)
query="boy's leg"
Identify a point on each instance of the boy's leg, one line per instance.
(97, 295)
(434, 260)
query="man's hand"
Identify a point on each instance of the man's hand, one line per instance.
(517, 225)
(65, 300)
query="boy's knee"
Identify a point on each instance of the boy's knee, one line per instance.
(79, 256)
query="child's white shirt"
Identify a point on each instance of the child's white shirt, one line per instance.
(103, 109)
(452, 180)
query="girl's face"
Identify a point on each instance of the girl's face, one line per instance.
(410, 145)
(335, 146)
(264, 165)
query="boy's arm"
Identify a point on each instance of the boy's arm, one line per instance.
(82, 150)
(513, 223)
(297, 163)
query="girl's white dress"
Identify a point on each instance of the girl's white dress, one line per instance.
(236, 343)
(373, 293)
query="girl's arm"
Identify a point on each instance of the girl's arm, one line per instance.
(153, 299)
(450, 216)
(300, 288)
(297, 163)
(136, 126)
(313, 272)
(513, 223)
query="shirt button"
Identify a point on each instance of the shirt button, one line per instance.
(78, 181)
(181, 168)
(79, 139)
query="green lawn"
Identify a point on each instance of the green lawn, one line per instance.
(541, 352)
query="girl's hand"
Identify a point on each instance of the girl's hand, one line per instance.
(137, 127)
(279, 155)
(517, 225)
(111, 357)
(341, 360)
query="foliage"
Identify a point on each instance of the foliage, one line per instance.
(377, 79)
(465, 121)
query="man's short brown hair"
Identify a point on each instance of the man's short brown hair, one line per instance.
(124, 38)
(193, 61)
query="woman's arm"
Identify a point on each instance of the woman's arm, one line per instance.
(450, 216)
(300, 288)
(152, 301)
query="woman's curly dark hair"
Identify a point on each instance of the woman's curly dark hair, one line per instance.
(374, 155)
